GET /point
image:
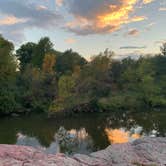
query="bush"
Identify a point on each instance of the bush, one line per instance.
(8, 102)
(120, 102)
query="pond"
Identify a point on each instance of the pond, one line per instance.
(82, 133)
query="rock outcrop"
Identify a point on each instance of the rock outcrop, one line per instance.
(142, 152)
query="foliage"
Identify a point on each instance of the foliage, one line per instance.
(94, 80)
(25, 53)
(67, 61)
(163, 49)
(48, 63)
(38, 89)
(66, 86)
(43, 47)
(122, 101)
(39, 78)
(8, 68)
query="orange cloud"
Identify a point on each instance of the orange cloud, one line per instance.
(119, 15)
(79, 21)
(147, 1)
(137, 18)
(59, 2)
(11, 20)
(70, 41)
(106, 21)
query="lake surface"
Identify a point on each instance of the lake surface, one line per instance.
(81, 133)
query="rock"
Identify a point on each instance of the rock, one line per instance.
(143, 152)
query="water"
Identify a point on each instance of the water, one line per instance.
(81, 133)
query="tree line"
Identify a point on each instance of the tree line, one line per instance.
(36, 77)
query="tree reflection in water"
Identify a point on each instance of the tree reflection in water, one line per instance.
(90, 132)
(65, 141)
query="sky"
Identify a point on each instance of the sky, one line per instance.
(127, 27)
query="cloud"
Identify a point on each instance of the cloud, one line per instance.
(10, 20)
(70, 41)
(41, 7)
(133, 32)
(133, 47)
(149, 26)
(59, 2)
(22, 15)
(162, 9)
(160, 41)
(84, 16)
(95, 17)
(147, 1)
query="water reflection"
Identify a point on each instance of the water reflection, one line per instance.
(32, 141)
(74, 140)
(122, 136)
(69, 142)
(81, 134)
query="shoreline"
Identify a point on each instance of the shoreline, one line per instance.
(142, 152)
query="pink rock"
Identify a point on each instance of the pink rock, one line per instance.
(146, 151)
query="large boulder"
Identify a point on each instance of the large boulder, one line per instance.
(142, 152)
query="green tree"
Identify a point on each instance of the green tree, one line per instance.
(38, 89)
(66, 85)
(25, 53)
(67, 61)
(163, 49)
(49, 64)
(8, 66)
(44, 46)
(94, 80)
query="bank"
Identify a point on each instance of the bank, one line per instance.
(142, 152)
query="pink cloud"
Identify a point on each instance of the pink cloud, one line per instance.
(11, 20)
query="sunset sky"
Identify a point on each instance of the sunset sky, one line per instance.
(87, 26)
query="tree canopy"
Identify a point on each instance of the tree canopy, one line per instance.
(39, 78)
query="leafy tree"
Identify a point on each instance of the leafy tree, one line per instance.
(7, 60)
(38, 89)
(44, 46)
(66, 85)
(48, 63)
(8, 66)
(53, 81)
(67, 61)
(25, 53)
(94, 80)
(76, 72)
(163, 49)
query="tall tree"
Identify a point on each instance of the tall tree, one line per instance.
(163, 49)
(44, 46)
(25, 53)
(94, 79)
(49, 63)
(68, 60)
(8, 66)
